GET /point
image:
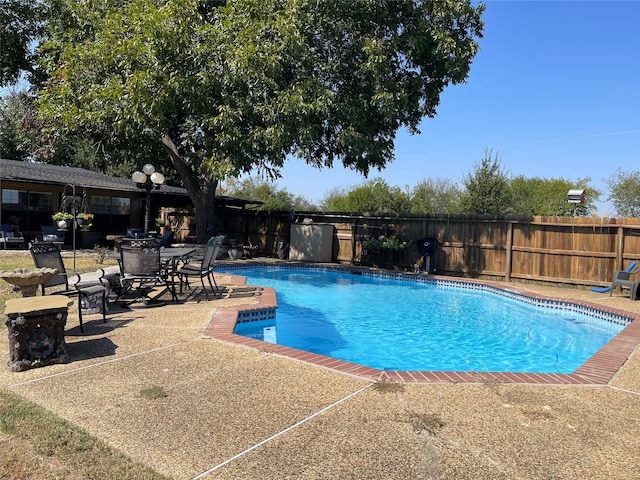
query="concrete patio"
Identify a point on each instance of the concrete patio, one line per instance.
(232, 412)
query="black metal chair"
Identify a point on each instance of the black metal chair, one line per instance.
(202, 269)
(48, 255)
(142, 270)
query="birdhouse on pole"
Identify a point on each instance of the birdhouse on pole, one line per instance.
(576, 196)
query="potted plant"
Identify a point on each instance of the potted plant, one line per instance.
(84, 220)
(160, 225)
(384, 250)
(236, 250)
(383, 243)
(62, 219)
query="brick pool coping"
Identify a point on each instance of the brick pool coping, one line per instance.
(599, 369)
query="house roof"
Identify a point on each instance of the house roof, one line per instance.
(60, 175)
(44, 173)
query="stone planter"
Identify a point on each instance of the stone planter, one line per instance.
(36, 331)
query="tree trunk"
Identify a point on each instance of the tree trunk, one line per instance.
(204, 203)
(201, 192)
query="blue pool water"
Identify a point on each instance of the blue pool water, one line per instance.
(406, 325)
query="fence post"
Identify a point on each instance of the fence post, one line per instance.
(354, 230)
(507, 273)
(620, 248)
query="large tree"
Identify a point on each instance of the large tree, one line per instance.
(231, 86)
(20, 24)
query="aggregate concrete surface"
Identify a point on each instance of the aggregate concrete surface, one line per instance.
(231, 412)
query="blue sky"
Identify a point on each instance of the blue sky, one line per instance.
(554, 91)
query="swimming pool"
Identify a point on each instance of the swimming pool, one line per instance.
(418, 324)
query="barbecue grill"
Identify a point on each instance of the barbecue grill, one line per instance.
(426, 248)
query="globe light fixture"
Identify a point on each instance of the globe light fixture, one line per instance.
(147, 179)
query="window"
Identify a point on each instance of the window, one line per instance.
(111, 205)
(19, 200)
(27, 209)
(10, 197)
(40, 202)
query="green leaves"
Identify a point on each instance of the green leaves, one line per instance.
(374, 196)
(625, 192)
(261, 78)
(487, 189)
(20, 23)
(240, 85)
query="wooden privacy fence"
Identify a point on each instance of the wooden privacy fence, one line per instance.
(571, 250)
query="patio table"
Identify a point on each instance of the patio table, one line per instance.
(172, 255)
(175, 254)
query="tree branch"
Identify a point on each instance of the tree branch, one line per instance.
(185, 173)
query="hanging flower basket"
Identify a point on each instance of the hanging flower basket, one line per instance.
(62, 220)
(84, 220)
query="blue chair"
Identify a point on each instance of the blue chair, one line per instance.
(7, 237)
(167, 238)
(51, 234)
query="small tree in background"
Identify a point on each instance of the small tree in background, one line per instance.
(335, 200)
(435, 195)
(625, 192)
(542, 196)
(486, 188)
(274, 198)
(374, 196)
(17, 139)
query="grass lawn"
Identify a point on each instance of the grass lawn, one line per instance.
(86, 261)
(36, 444)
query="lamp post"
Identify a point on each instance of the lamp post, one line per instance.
(148, 179)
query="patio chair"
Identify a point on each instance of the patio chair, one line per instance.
(629, 269)
(7, 237)
(202, 269)
(622, 279)
(51, 234)
(142, 270)
(48, 255)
